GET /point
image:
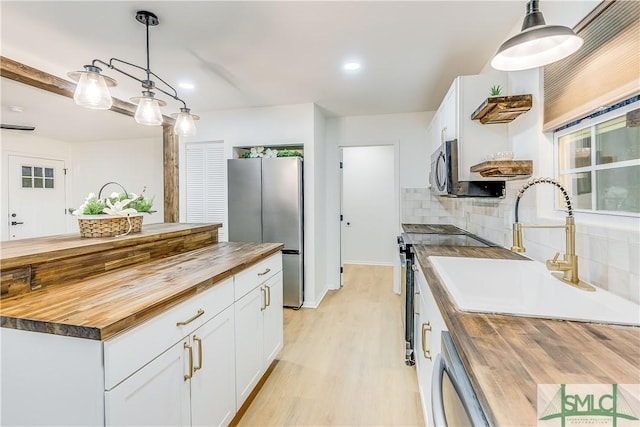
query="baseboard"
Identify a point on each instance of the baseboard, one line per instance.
(316, 303)
(382, 264)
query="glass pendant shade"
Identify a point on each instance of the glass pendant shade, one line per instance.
(148, 111)
(185, 123)
(537, 44)
(92, 91)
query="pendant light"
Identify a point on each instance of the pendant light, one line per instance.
(148, 111)
(185, 125)
(92, 90)
(537, 44)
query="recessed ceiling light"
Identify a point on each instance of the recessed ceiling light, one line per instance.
(352, 66)
(186, 85)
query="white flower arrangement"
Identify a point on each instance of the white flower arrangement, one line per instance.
(117, 204)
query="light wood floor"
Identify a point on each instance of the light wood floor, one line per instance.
(343, 363)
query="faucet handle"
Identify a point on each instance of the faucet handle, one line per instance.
(555, 257)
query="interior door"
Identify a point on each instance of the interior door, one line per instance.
(370, 223)
(36, 197)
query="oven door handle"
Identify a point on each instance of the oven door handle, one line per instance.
(437, 406)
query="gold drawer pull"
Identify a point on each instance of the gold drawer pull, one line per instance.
(264, 272)
(199, 313)
(426, 327)
(190, 374)
(199, 341)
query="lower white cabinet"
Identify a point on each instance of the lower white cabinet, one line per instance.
(259, 333)
(192, 383)
(156, 395)
(179, 368)
(429, 325)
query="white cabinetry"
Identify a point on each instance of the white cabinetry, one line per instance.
(177, 368)
(192, 382)
(453, 121)
(258, 312)
(428, 330)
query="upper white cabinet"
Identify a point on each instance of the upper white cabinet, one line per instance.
(453, 121)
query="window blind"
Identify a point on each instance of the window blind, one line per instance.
(604, 71)
(206, 193)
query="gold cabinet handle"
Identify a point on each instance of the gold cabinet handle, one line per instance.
(426, 327)
(268, 295)
(264, 299)
(190, 374)
(199, 341)
(264, 272)
(199, 313)
(415, 305)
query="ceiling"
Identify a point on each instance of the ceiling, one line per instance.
(242, 54)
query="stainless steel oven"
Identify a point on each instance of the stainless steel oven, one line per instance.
(423, 234)
(453, 399)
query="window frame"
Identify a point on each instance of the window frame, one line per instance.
(593, 167)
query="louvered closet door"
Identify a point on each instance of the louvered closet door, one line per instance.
(206, 195)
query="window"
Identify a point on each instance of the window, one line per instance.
(599, 163)
(37, 177)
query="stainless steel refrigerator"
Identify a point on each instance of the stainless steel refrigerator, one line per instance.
(266, 205)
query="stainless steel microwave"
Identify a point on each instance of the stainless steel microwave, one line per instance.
(444, 176)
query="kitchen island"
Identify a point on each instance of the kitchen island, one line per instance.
(166, 325)
(506, 357)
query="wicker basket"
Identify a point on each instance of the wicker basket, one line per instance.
(109, 225)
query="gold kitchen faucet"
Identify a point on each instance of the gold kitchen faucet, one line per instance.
(568, 265)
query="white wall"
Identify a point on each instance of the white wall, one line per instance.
(298, 124)
(408, 131)
(134, 164)
(28, 144)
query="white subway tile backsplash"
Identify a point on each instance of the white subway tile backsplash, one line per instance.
(604, 253)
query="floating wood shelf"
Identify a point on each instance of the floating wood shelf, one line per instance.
(502, 109)
(504, 168)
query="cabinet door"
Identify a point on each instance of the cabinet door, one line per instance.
(449, 114)
(273, 326)
(156, 395)
(248, 335)
(424, 357)
(213, 397)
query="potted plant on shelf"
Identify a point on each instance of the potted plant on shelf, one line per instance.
(116, 215)
(495, 90)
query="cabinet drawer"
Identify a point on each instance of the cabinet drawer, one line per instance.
(259, 273)
(129, 351)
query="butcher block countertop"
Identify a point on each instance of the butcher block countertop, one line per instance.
(105, 304)
(506, 357)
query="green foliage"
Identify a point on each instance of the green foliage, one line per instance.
(142, 204)
(495, 90)
(289, 153)
(94, 206)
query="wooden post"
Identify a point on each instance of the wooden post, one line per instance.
(30, 76)
(171, 178)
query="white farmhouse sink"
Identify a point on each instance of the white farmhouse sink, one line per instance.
(527, 288)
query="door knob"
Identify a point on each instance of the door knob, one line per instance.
(16, 223)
